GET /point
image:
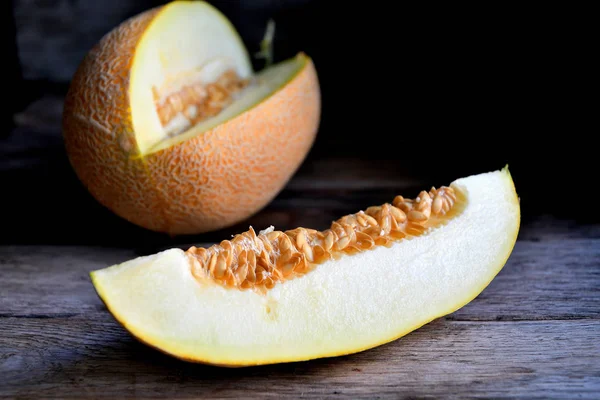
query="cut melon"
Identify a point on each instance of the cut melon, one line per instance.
(274, 297)
(167, 124)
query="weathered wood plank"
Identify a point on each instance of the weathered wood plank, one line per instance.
(557, 279)
(94, 357)
(46, 281)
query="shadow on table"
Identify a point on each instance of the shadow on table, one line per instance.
(49, 205)
(109, 362)
(46, 203)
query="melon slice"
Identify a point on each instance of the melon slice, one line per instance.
(275, 296)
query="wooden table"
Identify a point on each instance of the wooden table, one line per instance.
(533, 333)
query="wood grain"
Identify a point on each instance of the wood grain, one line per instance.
(80, 357)
(531, 334)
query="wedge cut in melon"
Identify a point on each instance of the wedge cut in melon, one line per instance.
(302, 294)
(186, 45)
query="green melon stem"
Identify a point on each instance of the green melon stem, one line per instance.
(266, 44)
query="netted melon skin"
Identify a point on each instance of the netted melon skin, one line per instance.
(211, 181)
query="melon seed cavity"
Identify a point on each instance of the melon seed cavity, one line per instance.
(180, 109)
(251, 261)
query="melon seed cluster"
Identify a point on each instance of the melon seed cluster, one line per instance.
(194, 103)
(260, 261)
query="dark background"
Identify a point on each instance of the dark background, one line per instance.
(429, 94)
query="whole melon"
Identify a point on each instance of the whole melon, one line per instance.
(167, 124)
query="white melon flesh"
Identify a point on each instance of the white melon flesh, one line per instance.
(343, 306)
(187, 41)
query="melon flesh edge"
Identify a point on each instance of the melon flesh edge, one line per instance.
(190, 42)
(341, 307)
